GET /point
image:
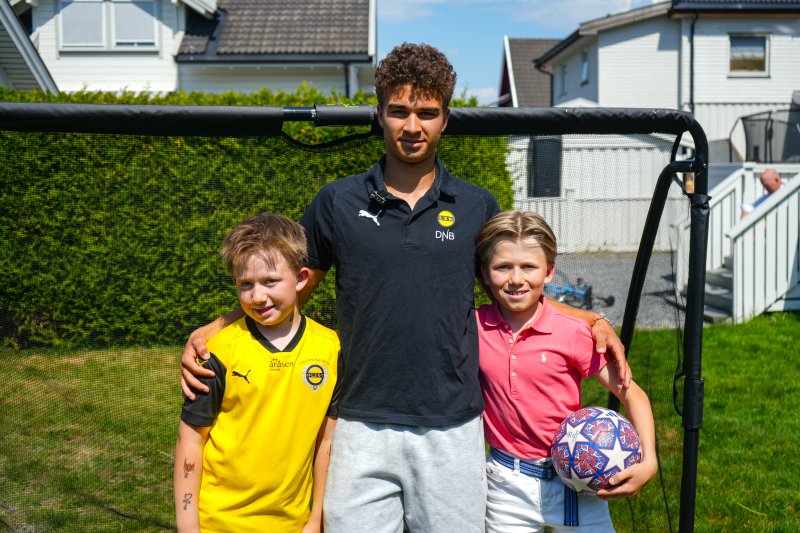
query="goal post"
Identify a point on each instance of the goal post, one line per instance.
(576, 131)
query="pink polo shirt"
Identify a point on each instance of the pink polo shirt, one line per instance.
(530, 386)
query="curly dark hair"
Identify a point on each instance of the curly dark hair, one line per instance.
(422, 66)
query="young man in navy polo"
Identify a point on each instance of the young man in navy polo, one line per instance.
(408, 447)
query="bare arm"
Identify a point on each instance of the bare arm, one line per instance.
(631, 480)
(187, 475)
(605, 338)
(322, 456)
(196, 347)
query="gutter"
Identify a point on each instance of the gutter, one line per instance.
(557, 49)
(691, 61)
(274, 58)
(541, 69)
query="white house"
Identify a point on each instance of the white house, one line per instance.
(719, 59)
(21, 67)
(204, 45)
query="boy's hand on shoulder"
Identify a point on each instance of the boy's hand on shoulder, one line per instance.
(195, 348)
(629, 482)
(607, 342)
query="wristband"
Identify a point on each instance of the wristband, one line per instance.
(598, 318)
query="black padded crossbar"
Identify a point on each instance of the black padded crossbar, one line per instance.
(244, 121)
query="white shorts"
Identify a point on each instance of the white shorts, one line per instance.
(519, 503)
(386, 478)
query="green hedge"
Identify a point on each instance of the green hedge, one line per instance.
(112, 240)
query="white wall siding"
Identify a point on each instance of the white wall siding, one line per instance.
(713, 84)
(250, 79)
(639, 64)
(718, 119)
(607, 184)
(720, 99)
(15, 74)
(366, 79)
(105, 70)
(574, 87)
(619, 229)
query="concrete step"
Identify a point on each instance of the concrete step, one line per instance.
(719, 298)
(721, 277)
(716, 316)
(711, 315)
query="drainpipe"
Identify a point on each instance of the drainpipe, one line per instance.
(347, 79)
(691, 62)
(550, 74)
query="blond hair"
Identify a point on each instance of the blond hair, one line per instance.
(516, 226)
(269, 236)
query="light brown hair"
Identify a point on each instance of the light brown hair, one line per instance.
(421, 66)
(516, 226)
(267, 235)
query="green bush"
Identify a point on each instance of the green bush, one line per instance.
(111, 240)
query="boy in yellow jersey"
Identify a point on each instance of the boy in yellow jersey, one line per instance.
(252, 450)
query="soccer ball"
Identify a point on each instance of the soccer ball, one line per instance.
(592, 445)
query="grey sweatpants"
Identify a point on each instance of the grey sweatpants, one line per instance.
(387, 478)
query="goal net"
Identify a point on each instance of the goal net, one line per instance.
(112, 216)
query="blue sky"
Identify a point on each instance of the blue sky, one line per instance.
(471, 32)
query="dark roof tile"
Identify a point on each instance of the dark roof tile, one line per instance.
(533, 87)
(286, 27)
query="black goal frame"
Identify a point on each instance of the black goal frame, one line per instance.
(245, 121)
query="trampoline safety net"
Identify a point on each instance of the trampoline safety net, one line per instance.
(110, 228)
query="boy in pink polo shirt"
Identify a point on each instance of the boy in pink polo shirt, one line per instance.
(532, 361)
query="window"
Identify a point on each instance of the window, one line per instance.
(108, 24)
(749, 54)
(584, 68)
(563, 79)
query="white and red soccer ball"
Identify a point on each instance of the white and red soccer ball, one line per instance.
(592, 445)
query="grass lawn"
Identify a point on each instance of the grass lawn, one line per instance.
(88, 435)
(745, 472)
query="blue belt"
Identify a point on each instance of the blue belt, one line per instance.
(541, 471)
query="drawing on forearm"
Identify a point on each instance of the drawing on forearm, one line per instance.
(188, 468)
(187, 500)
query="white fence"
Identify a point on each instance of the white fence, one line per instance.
(766, 262)
(606, 189)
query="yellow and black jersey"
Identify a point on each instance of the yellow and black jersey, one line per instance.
(265, 407)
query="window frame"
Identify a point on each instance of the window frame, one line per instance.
(584, 67)
(109, 30)
(750, 73)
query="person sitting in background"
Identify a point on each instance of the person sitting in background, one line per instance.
(771, 181)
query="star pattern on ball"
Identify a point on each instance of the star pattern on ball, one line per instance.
(617, 456)
(574, 436)
(592, 445)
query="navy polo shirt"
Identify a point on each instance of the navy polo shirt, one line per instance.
(404, 296)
